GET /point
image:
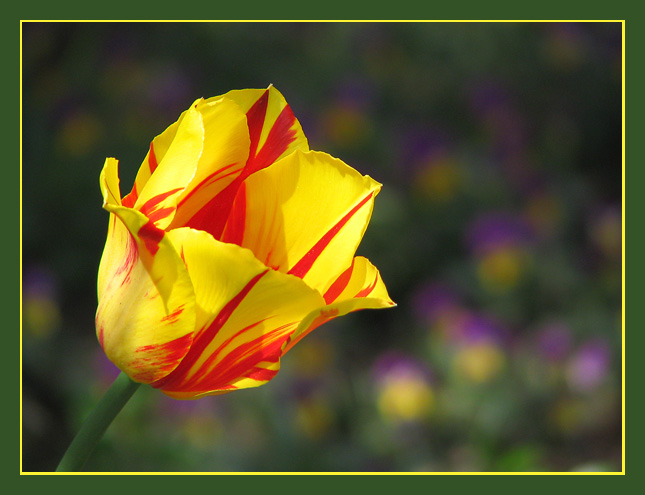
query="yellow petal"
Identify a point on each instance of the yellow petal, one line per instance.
(226, 148)
(273, 132)
(159, 197)
(146, 313)
(359, 287)
(245, 314)
(305, 215)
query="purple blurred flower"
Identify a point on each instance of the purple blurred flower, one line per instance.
(432, 301)
(420, 145)
(355, 92)
(498, 230)
(487, 97)
(493, 104)
(589, 366)
(38, 281)
(554, 341)
(394, 365)
(478, 329)
(40, 306)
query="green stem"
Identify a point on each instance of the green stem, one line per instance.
(97, 422)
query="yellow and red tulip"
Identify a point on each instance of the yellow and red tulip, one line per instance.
(235, 242)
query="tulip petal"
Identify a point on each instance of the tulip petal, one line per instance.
(245, 314)
(274, 132)
(158, 199)
(146, 313)
(305, 215)
(358, 287)
(145, 327)
(226, 148)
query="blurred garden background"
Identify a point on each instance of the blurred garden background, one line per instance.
(497, 232)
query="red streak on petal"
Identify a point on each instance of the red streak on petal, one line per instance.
(305, 263)
(211, 179)
(151, 207)
(339, 285)
(367, 290)
(128, 261)
(151, 236)
(161, 357)
(161, 213)
(152, 159)
(100, 335)
(131, 198)
(255, 118)
(234, 232)
(131, 254)
(204, 338)
(174, 316)
(281, 135)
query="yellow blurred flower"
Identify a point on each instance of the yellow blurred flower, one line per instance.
(346, 126)
(479, 363)
(41, 315)
(439, 180)
(79, 134)
(406, 398)
(314, 417)
(502, 269)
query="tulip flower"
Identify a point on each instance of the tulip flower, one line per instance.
(235, 242)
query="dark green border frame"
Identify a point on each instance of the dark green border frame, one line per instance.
(633, 175)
